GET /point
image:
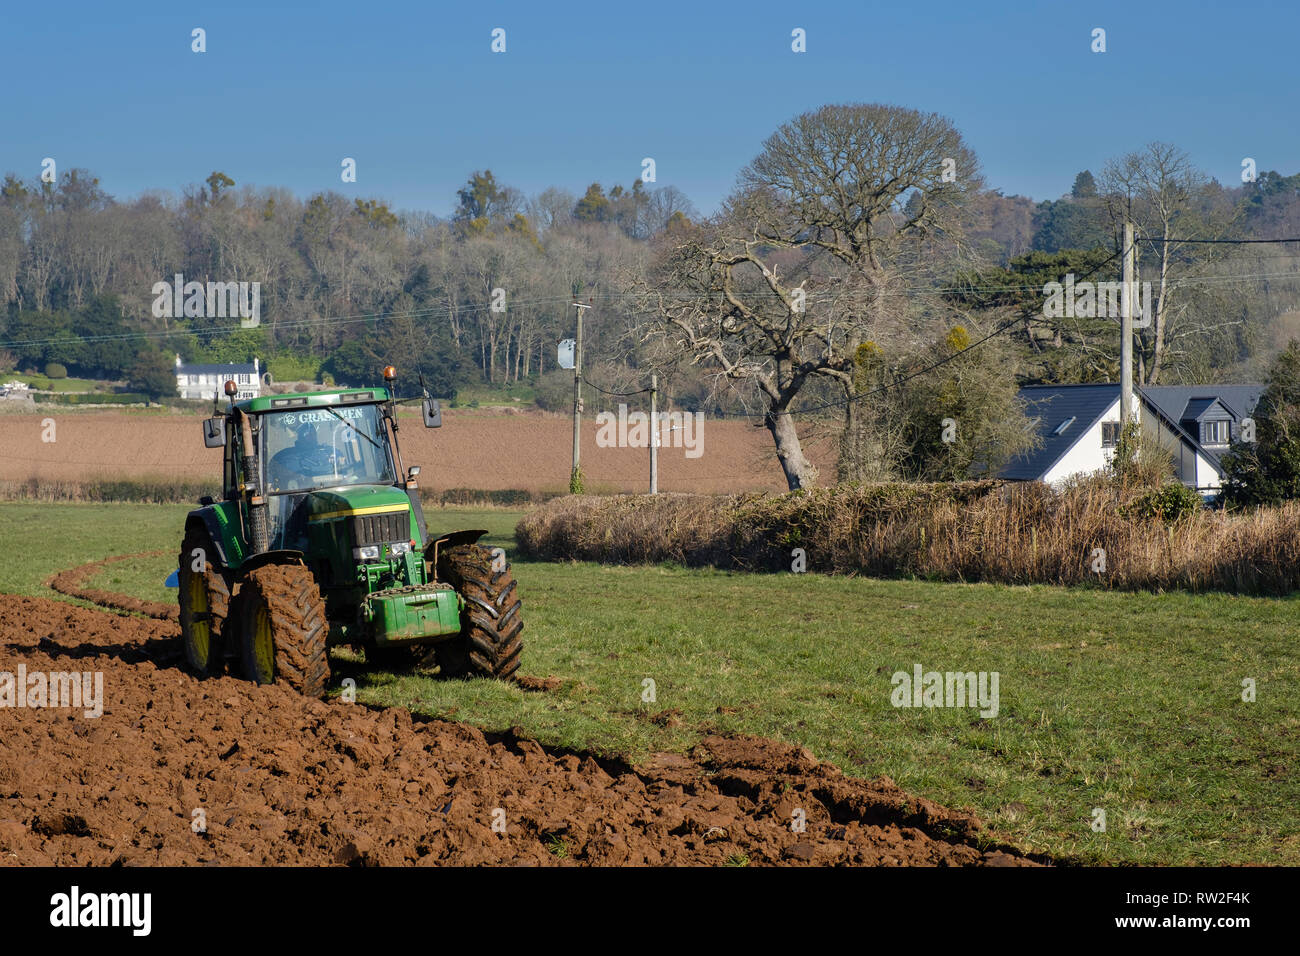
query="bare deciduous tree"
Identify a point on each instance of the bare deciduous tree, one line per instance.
(798, 270)
(1165, 195)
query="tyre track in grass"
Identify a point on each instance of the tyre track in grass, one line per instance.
(72, 583)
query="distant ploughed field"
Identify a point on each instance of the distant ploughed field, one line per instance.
(475, 448)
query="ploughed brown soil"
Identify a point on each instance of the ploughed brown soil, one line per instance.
(475, 448)
(285, 780)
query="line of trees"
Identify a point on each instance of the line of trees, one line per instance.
(346, 283)
(859, 247)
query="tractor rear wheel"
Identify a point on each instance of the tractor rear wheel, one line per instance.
(205, 604)
(284, 634)
(489, 643)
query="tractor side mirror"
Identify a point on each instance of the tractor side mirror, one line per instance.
(214, 432)
(432, 413)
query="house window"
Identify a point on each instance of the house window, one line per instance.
(1109, 434)
(1215, 433)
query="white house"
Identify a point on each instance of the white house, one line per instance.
(203, 381)
(1079, 428)
(15, 390)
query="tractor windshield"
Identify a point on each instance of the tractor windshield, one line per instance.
(326, 447)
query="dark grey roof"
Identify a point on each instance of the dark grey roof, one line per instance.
(1052, 405)
(1173, 400)
(1197, 408)
(232, 369)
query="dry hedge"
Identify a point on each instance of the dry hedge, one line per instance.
(1016, 533)
(153, 490)
(103, 490)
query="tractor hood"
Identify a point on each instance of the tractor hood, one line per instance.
(359, 516)
(355, 500)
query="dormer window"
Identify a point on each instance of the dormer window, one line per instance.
(1216, 433)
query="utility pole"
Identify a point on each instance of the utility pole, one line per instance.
(654, 434)
(575, 476)
(1126, 328)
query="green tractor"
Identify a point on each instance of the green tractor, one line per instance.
(319, 539)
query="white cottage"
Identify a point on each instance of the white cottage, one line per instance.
(203, 381)
(1079, 428)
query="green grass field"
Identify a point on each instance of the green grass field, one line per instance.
(519, 394)
(1131, 703)
(37, 380)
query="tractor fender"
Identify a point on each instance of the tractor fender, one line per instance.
(455, 539)
(263, 558)
(206, 518)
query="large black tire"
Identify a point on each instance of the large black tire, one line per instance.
(283, 631)
(489, 643)
(205, 605)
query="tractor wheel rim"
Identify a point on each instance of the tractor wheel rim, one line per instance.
(263, 646)
(199, 630)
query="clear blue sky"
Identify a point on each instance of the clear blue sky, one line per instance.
(586, 90)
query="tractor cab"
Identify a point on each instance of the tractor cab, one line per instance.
(326, 447)
(320, 457)
(328, 477)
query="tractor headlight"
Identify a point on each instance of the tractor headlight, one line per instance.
(401, 547)
(368, 553)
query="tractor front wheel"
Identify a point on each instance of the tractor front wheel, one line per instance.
(205, 603)
(489, 643)
(284, 634)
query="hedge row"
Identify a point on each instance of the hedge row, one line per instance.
(1016, 533)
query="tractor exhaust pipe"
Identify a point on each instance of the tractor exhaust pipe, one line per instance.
(259, 534)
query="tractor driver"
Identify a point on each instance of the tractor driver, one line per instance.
(304, 459)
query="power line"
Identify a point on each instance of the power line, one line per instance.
(639, 391)
(443, 312)
(922, 371)
(1216, 242)
(278, 326)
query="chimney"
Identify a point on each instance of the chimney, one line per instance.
(255, 372)
(178, 359)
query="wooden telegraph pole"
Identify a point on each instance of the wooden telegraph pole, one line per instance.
(1127, 296)
(575, 476)
(654, 434)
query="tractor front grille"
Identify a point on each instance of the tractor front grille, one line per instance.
(380, 529)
